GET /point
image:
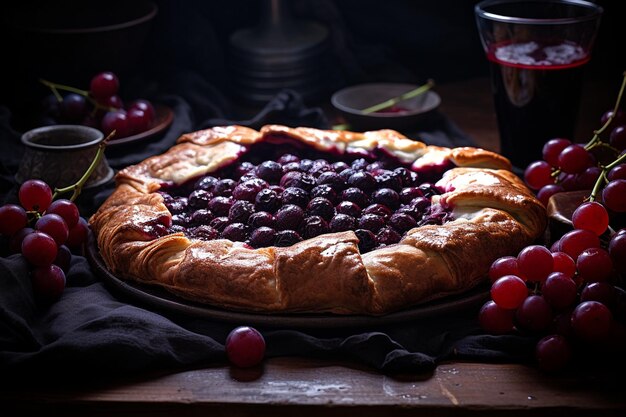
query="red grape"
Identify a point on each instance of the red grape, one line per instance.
(587, 179)
(15, 245)
(64, 258)
(574, 159)
(39, 249)
(104, 85)
(146, 106)
(548, 191)
(617, 250)
(591, 321)
(577, 240)
(535, 262)
(74, 107)
(614, 195)
(48, 282)
(618, 172)
(553, 353)
(564, 263)
(138, 121)
(495, 320)
(66, 209)
(118, 121)
(602, 292)
(113, 101)
(78, 234)
(35, 195)
(538, 174)
(553, 148)
(619, 117)
(559, 290)
(507, 265)
(617, 138)
(594, 264)
(509, 292)
(54, 226)
(591, 216)
(12, 219)
(534, 314)
(245, 347)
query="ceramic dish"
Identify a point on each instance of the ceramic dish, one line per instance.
(407, 114)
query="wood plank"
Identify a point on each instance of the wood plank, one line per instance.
(288, 385)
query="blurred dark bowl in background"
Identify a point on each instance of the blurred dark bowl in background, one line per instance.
(414, 114)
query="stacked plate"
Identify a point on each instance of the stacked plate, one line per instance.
(280, 53)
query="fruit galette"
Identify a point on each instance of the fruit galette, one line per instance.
(305, 220)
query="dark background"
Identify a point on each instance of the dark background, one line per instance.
(371, 40)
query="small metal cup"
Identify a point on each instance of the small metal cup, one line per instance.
(60, 155)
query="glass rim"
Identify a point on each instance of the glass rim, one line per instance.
(595, 11)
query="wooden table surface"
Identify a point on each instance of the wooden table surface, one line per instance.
(307, 387)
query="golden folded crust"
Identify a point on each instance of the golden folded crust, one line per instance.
(494, 215)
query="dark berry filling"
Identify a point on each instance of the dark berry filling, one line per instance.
(268, 199)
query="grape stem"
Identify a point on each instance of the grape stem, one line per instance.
(55, 87)
(595, 141)
(78, 186)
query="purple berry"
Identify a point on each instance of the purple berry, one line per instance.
(314, 226)
(387, 236)
(359, 164)
(378, 209)
(270, 171)
(219, 223)
(249, 189)
(362, 180)
(334, 180)
(342, 223)
(386, 197)
(203, 232)
(324, 191)
(261, 219)
(198, 217)
(402, 222)
(295, 195)
(367, 240)
(237, 232)
(287, 238)
(289, 217)
(199, 199)
(267, 200)
(206, 183)
(262, 237)
(288, 158)
(349, 208)
(356, 196)
(322, 207)
(388, 180)
(372, 222)
(240, 211)
(407, 194)
(220, 206)
(224, 187)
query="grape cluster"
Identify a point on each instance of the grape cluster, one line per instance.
(568, 166)
(45, 232)
(100, 107)
(571, 295)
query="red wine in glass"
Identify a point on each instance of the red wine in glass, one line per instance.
(537, 93)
